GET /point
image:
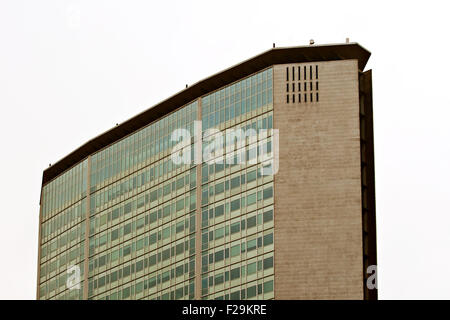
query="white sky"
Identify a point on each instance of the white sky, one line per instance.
(70, 70)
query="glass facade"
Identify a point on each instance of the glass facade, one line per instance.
(237, 201)
(63, 213)
(139, 211)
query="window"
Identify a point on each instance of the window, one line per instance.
(179, 271)
(127, 229)
(218, 211)
(166, 254)
(235, 250)
(251, 268)
(268, 263)
(251, 291)
(268, 239)
(251, 199)
(125, 293)
(218, 256)
(139, 266)
(165, 276)
(166, 189)
(126, 271)
(235, 227)
(267, 193)
(139, 244)
(267, 216)
(152, 238)
(251, 222)
(114, 234)
(235, 204)
(179, 227)
(268, 286)
(219, 233)
(166, 233)
(127, 250)
(219, 188)
(251, 176)
(235, 273)
(235, 182)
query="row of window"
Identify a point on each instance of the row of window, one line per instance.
(140, 245)
(234, 250)
(237, 225)
(58, 285)
(63, 243)
(143, 144)
(252, 291)
(64, 190)
(133, 183)
(62, 222)
(119, 276)
(162, 215)
(219, 278)
(141, 290)
(238, 182)
(239, 98)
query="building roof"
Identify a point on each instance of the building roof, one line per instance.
(282, 55)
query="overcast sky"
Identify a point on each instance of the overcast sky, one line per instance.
(70, 70)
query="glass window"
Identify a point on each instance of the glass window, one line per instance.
(251, 268)
(235, 273)
(235, 250)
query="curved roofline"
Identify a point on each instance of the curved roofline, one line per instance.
(279, 55)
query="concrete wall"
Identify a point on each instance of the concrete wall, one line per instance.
(318, 227)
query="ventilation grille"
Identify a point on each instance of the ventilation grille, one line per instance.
(302, 84)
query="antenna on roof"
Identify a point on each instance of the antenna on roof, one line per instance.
(347, 40)
(186, 86)
(273, 45)
(311, 42)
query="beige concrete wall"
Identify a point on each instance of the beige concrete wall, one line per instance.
(318, 231)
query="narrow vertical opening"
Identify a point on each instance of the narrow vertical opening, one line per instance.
(299, 73)
(317, 72)
(287, 87)
(293, 87)
(287, 98)
(287, 73)
(310, 72)
(317, 96)
(293, 73)
(293, 98)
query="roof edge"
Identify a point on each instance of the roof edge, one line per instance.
(273, 56)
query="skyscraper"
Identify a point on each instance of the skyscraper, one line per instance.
(255, 183)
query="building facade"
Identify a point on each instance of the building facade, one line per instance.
(120, 218)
